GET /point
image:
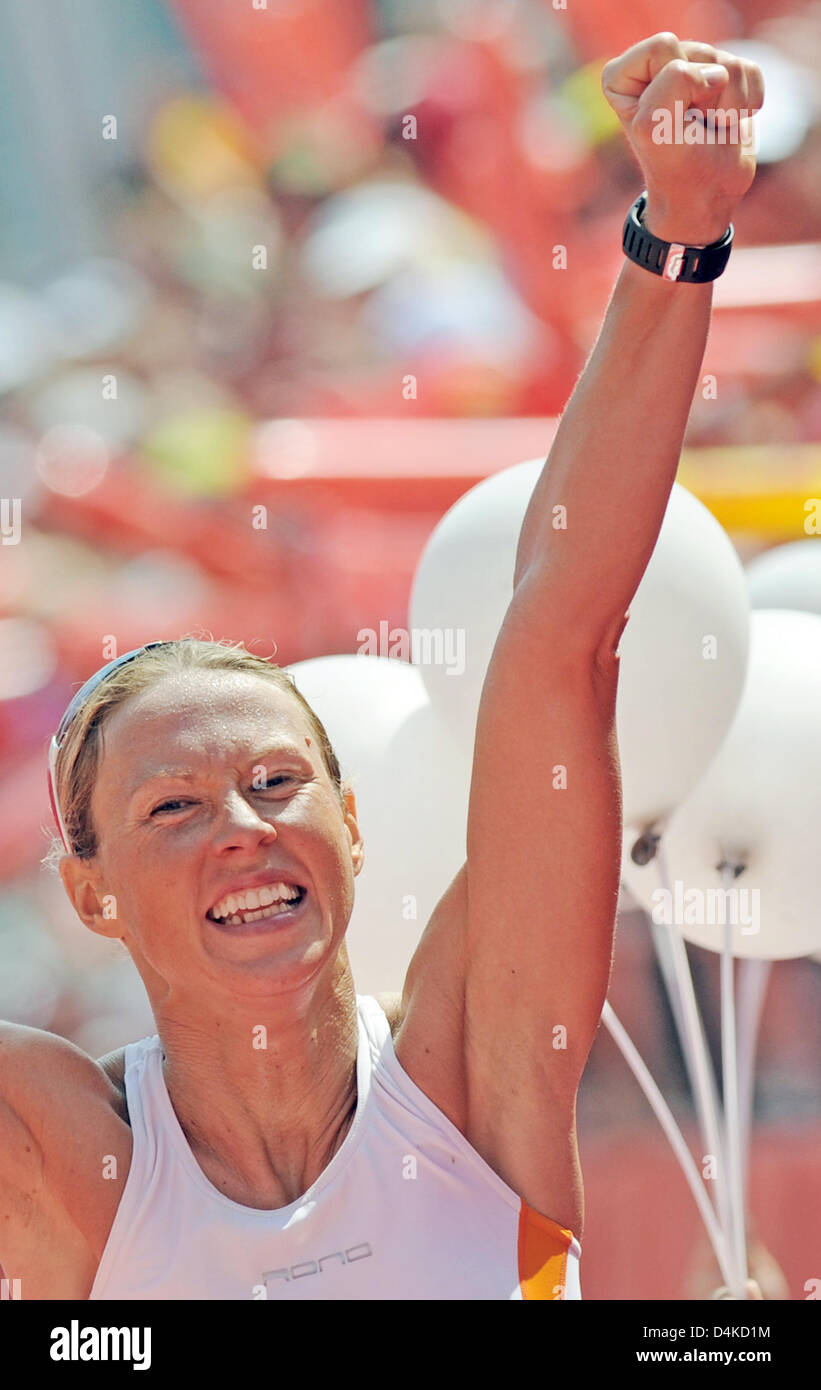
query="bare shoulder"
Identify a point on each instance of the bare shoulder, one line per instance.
(54, 1089)
(38, 1067)
(60, 1112)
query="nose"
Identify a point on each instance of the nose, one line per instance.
(240, 825)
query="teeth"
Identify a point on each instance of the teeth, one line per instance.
(254, 901)
(240, 918)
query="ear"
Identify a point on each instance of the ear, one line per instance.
(96, 909)
(352, 827)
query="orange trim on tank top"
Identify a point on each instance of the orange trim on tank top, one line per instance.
(542, 1252)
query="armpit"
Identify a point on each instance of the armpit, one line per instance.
(392, 1006)
(113, 1064)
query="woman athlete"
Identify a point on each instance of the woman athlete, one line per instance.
(282, 1137)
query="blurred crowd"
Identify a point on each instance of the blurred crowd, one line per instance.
(342, 211)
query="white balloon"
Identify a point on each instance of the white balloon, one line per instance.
(787, 576)
(464, 583)
(683, 653)
(411, 786)
(759, 804)
(414, 809)
(361, 700)
(683, 660)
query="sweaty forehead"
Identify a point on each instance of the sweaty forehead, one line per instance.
(193, 716)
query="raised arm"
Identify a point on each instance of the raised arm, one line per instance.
(509, 980)
(616, 451)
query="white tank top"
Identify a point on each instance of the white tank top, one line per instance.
(406, 1208)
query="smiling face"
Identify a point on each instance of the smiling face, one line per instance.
(184, 816)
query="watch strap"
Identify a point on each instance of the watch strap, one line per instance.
(673, 260)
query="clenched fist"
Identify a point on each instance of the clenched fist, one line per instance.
(686, 109)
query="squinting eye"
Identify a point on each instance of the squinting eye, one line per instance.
(270, 784)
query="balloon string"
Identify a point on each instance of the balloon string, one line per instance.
(665, 1118)
(694, 1045)
(662, 940)
(753, 978)
(732, 1114)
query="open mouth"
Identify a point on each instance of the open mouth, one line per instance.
(282, 907)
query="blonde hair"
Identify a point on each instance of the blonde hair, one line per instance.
(79, 757)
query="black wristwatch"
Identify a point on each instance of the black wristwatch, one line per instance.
(670, 259)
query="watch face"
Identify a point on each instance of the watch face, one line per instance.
(674, 264)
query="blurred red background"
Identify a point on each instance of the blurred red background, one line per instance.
(339, 264)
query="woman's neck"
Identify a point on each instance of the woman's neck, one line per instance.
(264, 1095)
